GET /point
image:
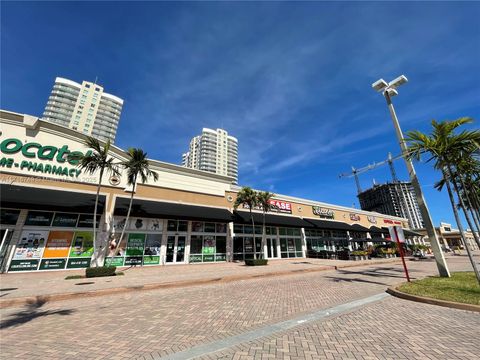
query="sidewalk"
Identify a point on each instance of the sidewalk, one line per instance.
(21, 288)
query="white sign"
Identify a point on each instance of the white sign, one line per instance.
(399, 232)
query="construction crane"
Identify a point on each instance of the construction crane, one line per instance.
(355, 172)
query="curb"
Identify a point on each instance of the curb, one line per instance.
(6, 303)
(393, 290)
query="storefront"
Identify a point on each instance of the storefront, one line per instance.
(186, 217)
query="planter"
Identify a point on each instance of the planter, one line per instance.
(256, 262)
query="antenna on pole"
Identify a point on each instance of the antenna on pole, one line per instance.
(96, 79)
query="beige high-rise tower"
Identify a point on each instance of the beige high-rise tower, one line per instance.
(84, 107)
(214, 151)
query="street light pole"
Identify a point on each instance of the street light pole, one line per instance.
(389, 90)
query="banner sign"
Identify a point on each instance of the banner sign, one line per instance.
(135, 244)
(58, 244)
(323, 212)
(116, 261)
(30, 245)
(208, 245)
(82, 245)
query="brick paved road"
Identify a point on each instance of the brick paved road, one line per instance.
(157, 323)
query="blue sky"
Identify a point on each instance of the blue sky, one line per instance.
(292, 81)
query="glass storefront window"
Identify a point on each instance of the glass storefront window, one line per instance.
(238, 229)
(196, 244)
(197, 226)
(183, 226)
(209, 227)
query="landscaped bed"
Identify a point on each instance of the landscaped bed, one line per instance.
(461, 287)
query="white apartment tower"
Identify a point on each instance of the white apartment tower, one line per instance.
(213, 151)
(84, 107)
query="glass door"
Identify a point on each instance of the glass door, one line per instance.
(175, 249)
(272, 248)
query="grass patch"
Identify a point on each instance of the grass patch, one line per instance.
(119, 273)
(461, 287)
(74, 277)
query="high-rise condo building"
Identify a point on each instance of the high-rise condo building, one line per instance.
(84, 107)
(396, 199)
(214, 151)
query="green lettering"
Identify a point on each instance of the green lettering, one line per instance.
(8, 162)
(32, 165)
(26, 147)
(71, 172)
(74, 157)
(47, 152)
(39, 167)
(65, 171)
(23, 164)
(61, 152)
(6, 146)
(48, 169)
(77, 172)
(57, 170)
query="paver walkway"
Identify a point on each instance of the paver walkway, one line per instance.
(15, 285)
(160, 323)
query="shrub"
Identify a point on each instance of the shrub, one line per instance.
(359, 253)
(74, 277)
(256, 262)
(100, 271)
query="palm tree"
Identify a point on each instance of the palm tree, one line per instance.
(91, 162)
(138, 168)
(247, 196)
(263, 199)
(446, 148)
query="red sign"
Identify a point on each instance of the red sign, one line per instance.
(388, 221)
(281, 205)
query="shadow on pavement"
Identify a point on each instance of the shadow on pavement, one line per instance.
(340, 279)
(31, 312)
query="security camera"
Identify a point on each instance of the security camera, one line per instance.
(379, 85)
(402, 79)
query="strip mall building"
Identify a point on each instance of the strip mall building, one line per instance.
(187, 216)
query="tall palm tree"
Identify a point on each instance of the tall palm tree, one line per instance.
(445, 148)
(91, 162)
(137, 167)
(263, 199)
(247, 196)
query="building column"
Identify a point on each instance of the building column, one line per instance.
(230, 235)
(17, 231)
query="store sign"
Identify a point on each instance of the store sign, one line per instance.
(151, 260)
(23, 265)
(86, 221)
(372, 219)
(82, 245)
(116, 261)
(275, 206)
(31, 151)
(38, 218)
(388, 221)
(9, 217)
(52, 264)
(355, 217)
(65, 220)
(30, 245)
(133, 260)
(78, 263)
(135, 244)
(323, 212)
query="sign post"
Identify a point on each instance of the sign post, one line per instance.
(396, 233)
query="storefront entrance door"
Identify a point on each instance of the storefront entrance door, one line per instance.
(271, 248)
(175, 249)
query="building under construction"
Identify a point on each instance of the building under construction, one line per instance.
(397, 198)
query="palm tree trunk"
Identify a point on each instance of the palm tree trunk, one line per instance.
(462, 205)
(95, 251)
(460, 226)
(128, 215)
(470, 206)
